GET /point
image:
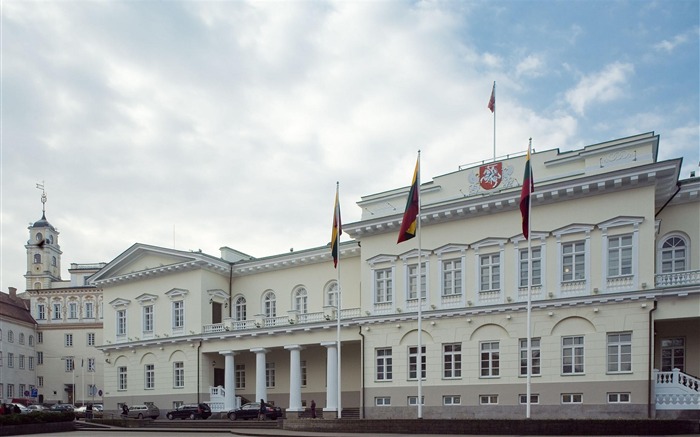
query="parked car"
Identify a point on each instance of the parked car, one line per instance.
(36, 407)
(142, 411)
(22, 408)
(192, 411)
(81, 412)
(251, 410)
(62, 408)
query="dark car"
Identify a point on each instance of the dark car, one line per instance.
(191, 411)
(62, 408)
(251, 410)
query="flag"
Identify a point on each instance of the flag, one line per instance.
(337, 229)
(527, 189)
(410, 216)
(492, 100)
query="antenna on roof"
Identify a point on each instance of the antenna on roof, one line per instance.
(43, 197)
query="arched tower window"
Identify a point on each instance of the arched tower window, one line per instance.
(300, 300)
(270, 304)
(37, 258)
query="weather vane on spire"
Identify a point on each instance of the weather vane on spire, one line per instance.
(43, 197)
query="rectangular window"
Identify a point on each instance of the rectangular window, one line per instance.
(619, 398)
(39, 358)
(40, 381)
(490, 272)
(488, 399)
(0, 358)
(620, 352)
(536, 268)
(92, 390)
(452, 360)
(90, 338)
(30, 361)
(39, 337)
(178, 314)
(70, 364)
(452, 277)
(382, 401)
(150, 376)
(413, 281)
(572, 398)
(56, 315)
(413, 400)
(148, 319)
(73, 310)
(21, 361)
(383, 288)
(413, 362)
(451, 400)
(91, 365)
(68, 340)
(620, 256)
(384, 364)
(673, 354)
(573, 261)
(89, 310)
(121, 378)
(121, 322)
(572, 354)
(534, 399)
(22, 389)
(10, 390)
(490, 359)
(41, 311)
(10, 360)
(179, 374)
(534, 353)
(302, 364)
(270, 375)
(240, 375)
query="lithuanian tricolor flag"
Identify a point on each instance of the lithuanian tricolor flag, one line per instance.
(409, 223)
(337, 229)
(528, 188)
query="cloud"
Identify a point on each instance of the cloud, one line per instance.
(604, 86)
(680, 39)
(531, 66)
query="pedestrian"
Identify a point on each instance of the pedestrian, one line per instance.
(125, 411)
(16, 409)
(313, 409)
(88, 411)
(261, 413)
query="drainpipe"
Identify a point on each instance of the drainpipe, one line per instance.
(362, 374)
(230, 290)
(650, 389)
(199, 376)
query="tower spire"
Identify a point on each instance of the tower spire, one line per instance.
(43, 198)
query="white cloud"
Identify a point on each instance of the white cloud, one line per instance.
(531, 66)
(680, 39)
(604, 86)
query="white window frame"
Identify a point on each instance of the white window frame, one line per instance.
(269, 304)
(68, 340)
(90, 337)
(122, 378)
(673, 249)
(178, 374)
(619, 398)
(537, 267)
(488, 399)
(534, 399)
(70, 364)
(149, 377)
(240, 376)
(452, 272)
(73, 310)
(571, 398)
(619, 356)
(452, 361)
(270, 374)
(449, 400)
(620, 256)
(120, 320)
(384, 364)
(412, 401)
(490, 359)
(178, 308)
(300, 300)
(56, 311)
(413, 363)
(89, 310)
(148, 319)
(574, 261)
(41, 311)
(240, 312)
(382, 401)
(535, 355)
(383, 285)
(332, 294)
(490, 272)
(572, 350)
(670, 348)
(91, 365)
(412, 281)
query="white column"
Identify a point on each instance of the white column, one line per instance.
(294, 377)
(260, 384)
(229, 380)
(331, 375)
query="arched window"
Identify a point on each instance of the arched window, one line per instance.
(53, 261)
(674, 255)
(10, 336)
(239, 308)
(270, 304)
(31, 340)
(300, 300)
(0, 340)
(332, 294)
(37, 258)
(21, 338)
(37, 285)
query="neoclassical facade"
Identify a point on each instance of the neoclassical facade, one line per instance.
(614, 283)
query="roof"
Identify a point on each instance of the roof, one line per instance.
(15, 309)
(43, 223)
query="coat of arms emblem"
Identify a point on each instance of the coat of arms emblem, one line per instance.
(490, 175)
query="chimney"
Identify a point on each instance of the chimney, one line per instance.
(13, 293)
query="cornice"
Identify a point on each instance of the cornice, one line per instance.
(295, 259)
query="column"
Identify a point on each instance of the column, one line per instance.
(294, 377)
(260, 383)
(229, 380)
(331, 375)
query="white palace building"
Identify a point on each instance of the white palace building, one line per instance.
(615, 299)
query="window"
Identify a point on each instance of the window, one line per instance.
(240, 309)
(41, 311)
(572, 355)
(270, 375)
(39, 358)
(54, 261)
(620, 255)
(490, 272)
(22, 389)
(40, 381)
(30, 361)
(382, 401)
(620, 352)
(147, 319)
(383, 286)
(302, 364)
(21, 361)
(332, 295)
(572, 398)
(10, 390)
(178, 374)
(240, 375)
(150, 376)
(37, 258)
(413, 400)
(90, 338)
(536, 268)
(39, 337)
(413, 281)
(31, 340)
(384, 364)
(68, 340)
(21, 338)
(618, 398)
(70, 364)
(92, 390)
(0, 358)
(91, 365)
(270, 304)
(72, 310)
(413, 362)
(452, 277)
(10, 336)
(56, 314)
(673, 255)
(451, 400)
(121, 378)
(534, 399)
(178, 314)
(574, 261)
(452, 360)
(10, 360)
(121, 322)
(490, 359)
(89, 310)
(488, 399)
(534, 353)
(300, 300)
(673, 354)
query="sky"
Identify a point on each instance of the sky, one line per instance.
(200, 124)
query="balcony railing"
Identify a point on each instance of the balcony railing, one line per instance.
(269, 322)
(676, 390)
(690, 277)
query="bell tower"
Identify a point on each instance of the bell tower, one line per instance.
(43, 251)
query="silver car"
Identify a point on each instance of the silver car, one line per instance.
(143, 411)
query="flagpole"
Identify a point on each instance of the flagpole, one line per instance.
(494, 120)
(420, 300)
(337, 220)
(529, 285)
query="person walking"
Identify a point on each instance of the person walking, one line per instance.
(261, 413)
(313, 409)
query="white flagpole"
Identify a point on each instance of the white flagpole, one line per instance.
(529, 282)
(420, 300)
(336, 213)
(82, 377)
(494, 120)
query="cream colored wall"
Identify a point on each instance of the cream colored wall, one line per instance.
(684, 218)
